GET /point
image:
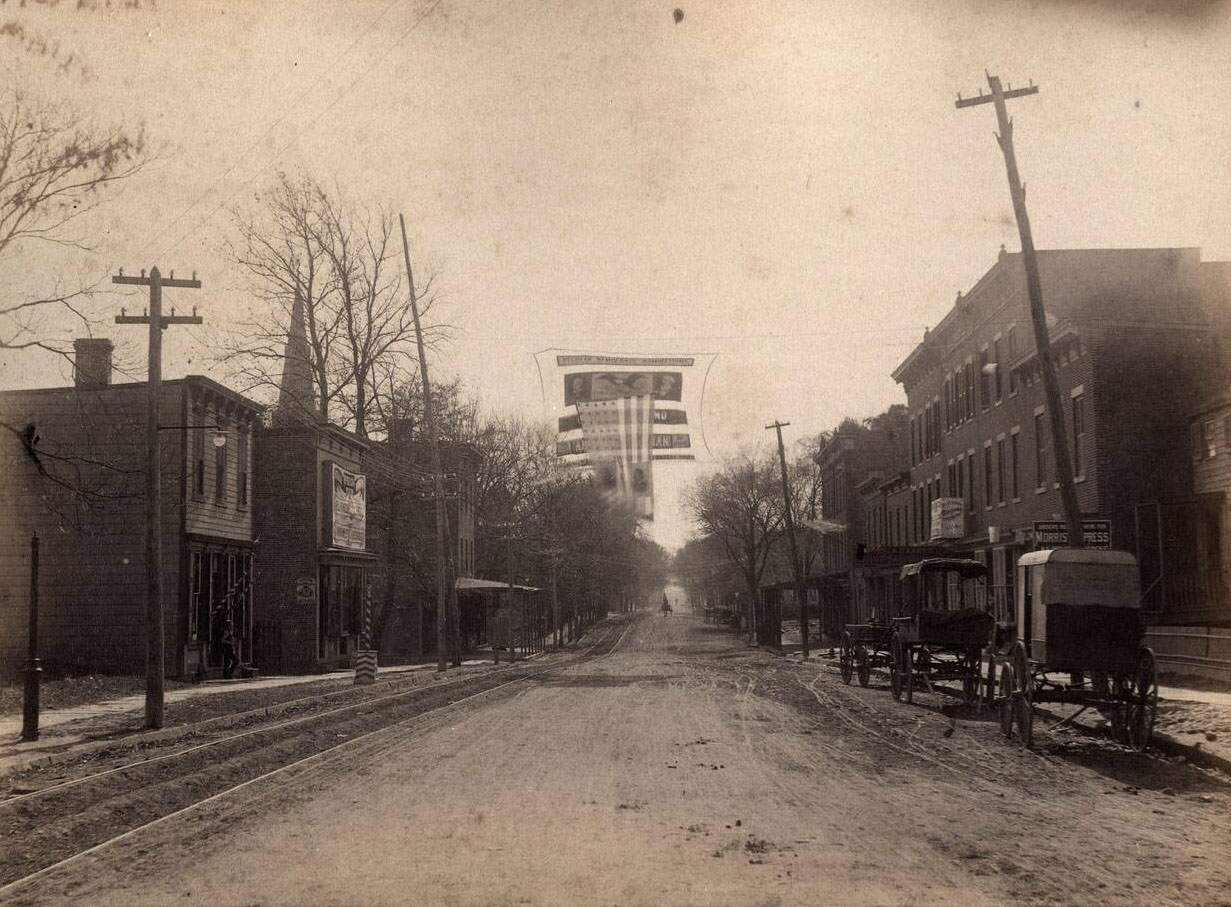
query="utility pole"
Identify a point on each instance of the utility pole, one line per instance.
(801, 595)
(429, 417)
(1034, 289)
(154, 662)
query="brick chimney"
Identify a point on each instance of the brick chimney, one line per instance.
(92, 358)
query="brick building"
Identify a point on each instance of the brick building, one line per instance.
(855, 457)
(403, 523)
(1133, 347)
(74, 466)
(313, 563)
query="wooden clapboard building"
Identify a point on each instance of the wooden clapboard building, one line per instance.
(74, 473)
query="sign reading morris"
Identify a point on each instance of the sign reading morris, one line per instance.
(346, 507)
(1055, 534)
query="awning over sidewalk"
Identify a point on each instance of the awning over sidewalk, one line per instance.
(474, 584)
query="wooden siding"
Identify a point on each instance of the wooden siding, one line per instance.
(87, 503)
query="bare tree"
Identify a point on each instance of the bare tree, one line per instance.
(54, 169)
(741, 506)
(312, 254)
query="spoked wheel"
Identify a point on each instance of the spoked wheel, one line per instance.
(1021, 669)
(908, 671)
(1004, 700)
(970, 682)
(1025, 719)
(895, 666)
(1144, 707)
(846, 657)
(863, 665)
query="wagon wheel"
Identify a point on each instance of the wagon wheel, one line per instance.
(1025, 719)
(1144, 708)
(863, 666)
(1004, 700)
(845, 657)
(1021, 669)
(970, 682)
(1124, 691)
(908, 671)
(895, 666)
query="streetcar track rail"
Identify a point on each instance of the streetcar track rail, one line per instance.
(30, 820)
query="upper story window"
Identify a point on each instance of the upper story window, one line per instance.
(241, 467)
(985, 381)
(198, 454)
(1079, 432)
(996, 365)
(1040, 451)
(970, 390)
(220, 473)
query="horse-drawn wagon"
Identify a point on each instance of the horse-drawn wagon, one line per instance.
(1077, 639)
(941, 631)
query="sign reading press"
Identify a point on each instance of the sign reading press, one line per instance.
(1055, 534)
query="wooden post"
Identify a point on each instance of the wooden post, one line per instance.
(34, 670)
(1038, 315)
(154, 656)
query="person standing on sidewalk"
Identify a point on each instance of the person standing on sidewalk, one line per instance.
(227, 642)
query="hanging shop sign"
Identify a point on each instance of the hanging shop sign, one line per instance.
(345, 508)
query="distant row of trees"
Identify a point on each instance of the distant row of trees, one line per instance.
(741, 515)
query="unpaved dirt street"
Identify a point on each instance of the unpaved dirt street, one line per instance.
(684, 768)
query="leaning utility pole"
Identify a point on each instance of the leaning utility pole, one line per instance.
(154, 661)
(801, 594)
(438, 492)
(1034, 289)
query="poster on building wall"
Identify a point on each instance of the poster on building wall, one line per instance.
(346, 508)
(948, 518)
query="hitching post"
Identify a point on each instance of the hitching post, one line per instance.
(34, 671)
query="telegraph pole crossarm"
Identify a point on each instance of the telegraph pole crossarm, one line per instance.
(801, 595)
(154, 657)
(1034, 289)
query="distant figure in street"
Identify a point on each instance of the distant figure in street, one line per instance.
(666, 608)
(227, 642)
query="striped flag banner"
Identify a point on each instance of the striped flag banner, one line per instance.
(618, 437)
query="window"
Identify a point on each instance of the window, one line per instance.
(198, 605)
(1012, 342)
(985, 381)
(987, 475)
(1014, 470)
(220, 474)
(1079, 431)
(1000, 469)
(1040, 451)
(970, 480)
(960, 491)
(1207, 438)
(241, 468)
(952, 476)
(948, 403)
(996, 366)
(970, 390)
(198, 456)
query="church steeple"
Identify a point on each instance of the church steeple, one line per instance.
(296, 400)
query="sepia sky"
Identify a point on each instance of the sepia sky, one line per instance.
(787, 185)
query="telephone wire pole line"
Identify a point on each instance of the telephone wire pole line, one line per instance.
(801, 595)
(155, 667)
(1034, 289)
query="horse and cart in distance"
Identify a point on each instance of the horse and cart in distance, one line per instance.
(1074, 637)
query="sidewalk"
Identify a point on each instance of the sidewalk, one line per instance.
(77, 730)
